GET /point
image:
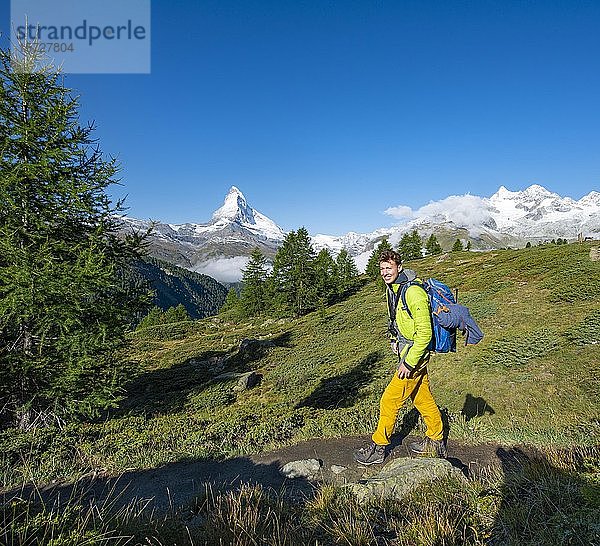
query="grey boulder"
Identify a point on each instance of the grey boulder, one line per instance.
(402, 476)
(307, 468)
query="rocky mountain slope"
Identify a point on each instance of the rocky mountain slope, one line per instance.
(221, 247)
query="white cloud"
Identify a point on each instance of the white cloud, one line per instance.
(399, 212)
(224, 269)
(361, 260)
(463, 210)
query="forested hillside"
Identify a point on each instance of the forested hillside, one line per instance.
(201, 295)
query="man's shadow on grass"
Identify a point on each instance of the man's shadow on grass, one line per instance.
(475, 406)
(167, 390)
(342, 391)
(541, 503)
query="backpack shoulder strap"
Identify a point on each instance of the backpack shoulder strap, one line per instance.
(392, 301)
(403, 290)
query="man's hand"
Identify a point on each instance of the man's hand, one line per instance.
(403, 371)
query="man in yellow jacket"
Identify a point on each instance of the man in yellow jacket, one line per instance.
(411, 336)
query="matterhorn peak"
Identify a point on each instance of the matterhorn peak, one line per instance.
(234, 191)
(235, 207)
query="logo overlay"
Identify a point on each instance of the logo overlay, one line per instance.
(84, 36)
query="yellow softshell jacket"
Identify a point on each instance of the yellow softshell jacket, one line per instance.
(416, 331)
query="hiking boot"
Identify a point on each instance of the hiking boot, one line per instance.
(370, 454)
(429, 448)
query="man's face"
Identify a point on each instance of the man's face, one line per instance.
(388, 271)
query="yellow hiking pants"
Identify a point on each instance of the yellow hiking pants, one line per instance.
(394, 397)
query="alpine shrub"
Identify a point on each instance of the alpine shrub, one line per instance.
(587, 332)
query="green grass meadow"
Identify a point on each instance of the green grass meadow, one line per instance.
(533, 381)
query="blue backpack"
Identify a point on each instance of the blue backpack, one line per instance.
(447, 316)
(441, 300)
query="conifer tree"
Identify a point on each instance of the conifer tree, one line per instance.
(468, 247)
(432, 246)
(457, 246)
(175, 314)
(66, 298)
(157, 316)
(293, 272)
(232, 301)
(410, 246)
(254, 277)
(373, 264)
(153, 318)
(346, 273)
(276, 300)
(325, 277)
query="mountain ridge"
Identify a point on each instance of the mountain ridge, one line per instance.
(221, 247)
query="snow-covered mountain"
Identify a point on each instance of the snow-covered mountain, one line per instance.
(237, 215)
(221, 247)
(534, 214)
(539, 213)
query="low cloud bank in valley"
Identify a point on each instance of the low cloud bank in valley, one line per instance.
(224, 269)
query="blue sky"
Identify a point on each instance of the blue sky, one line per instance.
(326, 113)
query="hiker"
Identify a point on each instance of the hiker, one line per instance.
(410, 340)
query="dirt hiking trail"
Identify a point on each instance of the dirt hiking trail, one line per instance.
(176, 485)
